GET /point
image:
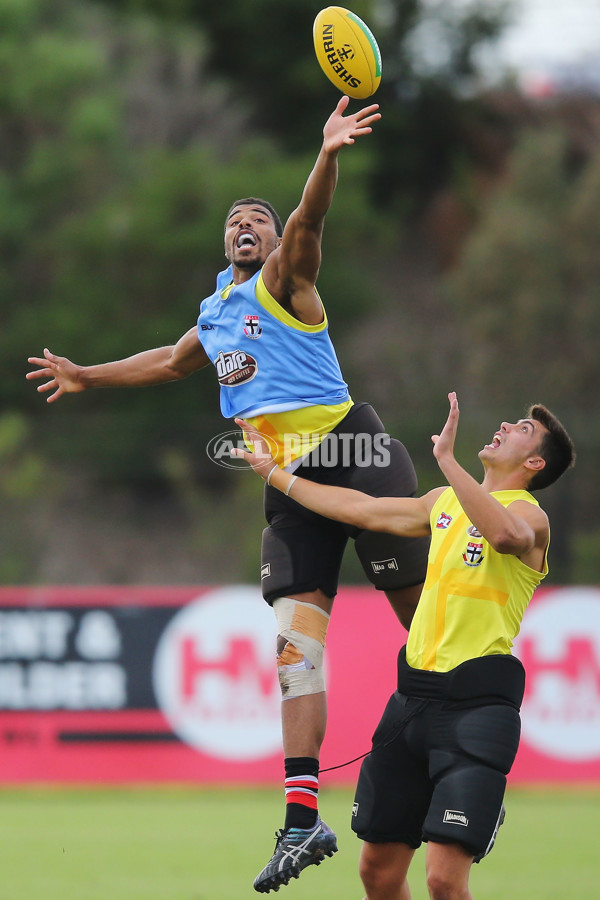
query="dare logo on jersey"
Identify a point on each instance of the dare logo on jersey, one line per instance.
(235, 367)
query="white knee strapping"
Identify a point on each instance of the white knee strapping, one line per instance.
(301, 630)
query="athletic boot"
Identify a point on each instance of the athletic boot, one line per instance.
(296, 848)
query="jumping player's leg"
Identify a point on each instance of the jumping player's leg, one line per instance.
(297, 553)
(305, 839)
(448, 867)
(383, 869)
(300, 554)
(301, 561)
(303, 722)
(302, 622)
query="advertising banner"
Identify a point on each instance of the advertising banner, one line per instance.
(173, 684)
(559, 645)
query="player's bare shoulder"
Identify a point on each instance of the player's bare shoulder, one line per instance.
(432, 497)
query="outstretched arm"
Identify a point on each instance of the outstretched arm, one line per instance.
(520, 529)
(290, 273)
(149, 367)
(408, 516)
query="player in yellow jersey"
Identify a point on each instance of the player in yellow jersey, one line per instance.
(449, 734)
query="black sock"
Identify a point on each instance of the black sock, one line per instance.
(301, 790)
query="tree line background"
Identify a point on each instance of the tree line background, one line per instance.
(460, 253)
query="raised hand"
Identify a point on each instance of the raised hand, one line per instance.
(340, 129)
(63, 375)
(443, 443)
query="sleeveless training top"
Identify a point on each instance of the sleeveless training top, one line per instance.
(474, 598)
(275, 371)
(266, 360)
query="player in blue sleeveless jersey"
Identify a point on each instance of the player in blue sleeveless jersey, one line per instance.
(265, 331)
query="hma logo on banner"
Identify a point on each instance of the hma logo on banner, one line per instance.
(215, 676)
(559, 646)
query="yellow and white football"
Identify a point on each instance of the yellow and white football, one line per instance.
(347, 52)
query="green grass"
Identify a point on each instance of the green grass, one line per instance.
(200, 844)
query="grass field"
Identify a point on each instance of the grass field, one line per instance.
(199, 844)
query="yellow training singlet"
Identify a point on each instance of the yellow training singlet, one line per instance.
(296, 432)
(474, 598)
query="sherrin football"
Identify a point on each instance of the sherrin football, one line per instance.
(347, 52)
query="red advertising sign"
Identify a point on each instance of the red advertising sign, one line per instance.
(559, 646)
(179, 684)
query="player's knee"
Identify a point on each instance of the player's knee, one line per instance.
(383, 868)
(370, 875)
(301, 632)
(379, 879)
(442, 886)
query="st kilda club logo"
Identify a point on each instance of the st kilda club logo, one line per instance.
(235, 367)
(252, 327)
(473, 555)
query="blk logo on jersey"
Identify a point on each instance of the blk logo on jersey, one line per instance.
(473, 554)
(472, 532)
(252, 328)
(235, 368)
(443, 520)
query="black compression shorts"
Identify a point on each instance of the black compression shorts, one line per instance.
(303, 551)
(437, 769)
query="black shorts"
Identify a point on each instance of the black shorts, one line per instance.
(437, 771)
(302, 551)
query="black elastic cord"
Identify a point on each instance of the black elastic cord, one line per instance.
(349, 763)
(392, 737)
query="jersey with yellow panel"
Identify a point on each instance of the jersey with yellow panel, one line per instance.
(474, 598)
(280, 374)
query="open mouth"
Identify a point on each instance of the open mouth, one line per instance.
(245, 239)
(494, 443)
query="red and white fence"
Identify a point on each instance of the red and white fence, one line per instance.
(169, 684)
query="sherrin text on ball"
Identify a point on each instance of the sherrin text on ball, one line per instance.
(347, 52)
